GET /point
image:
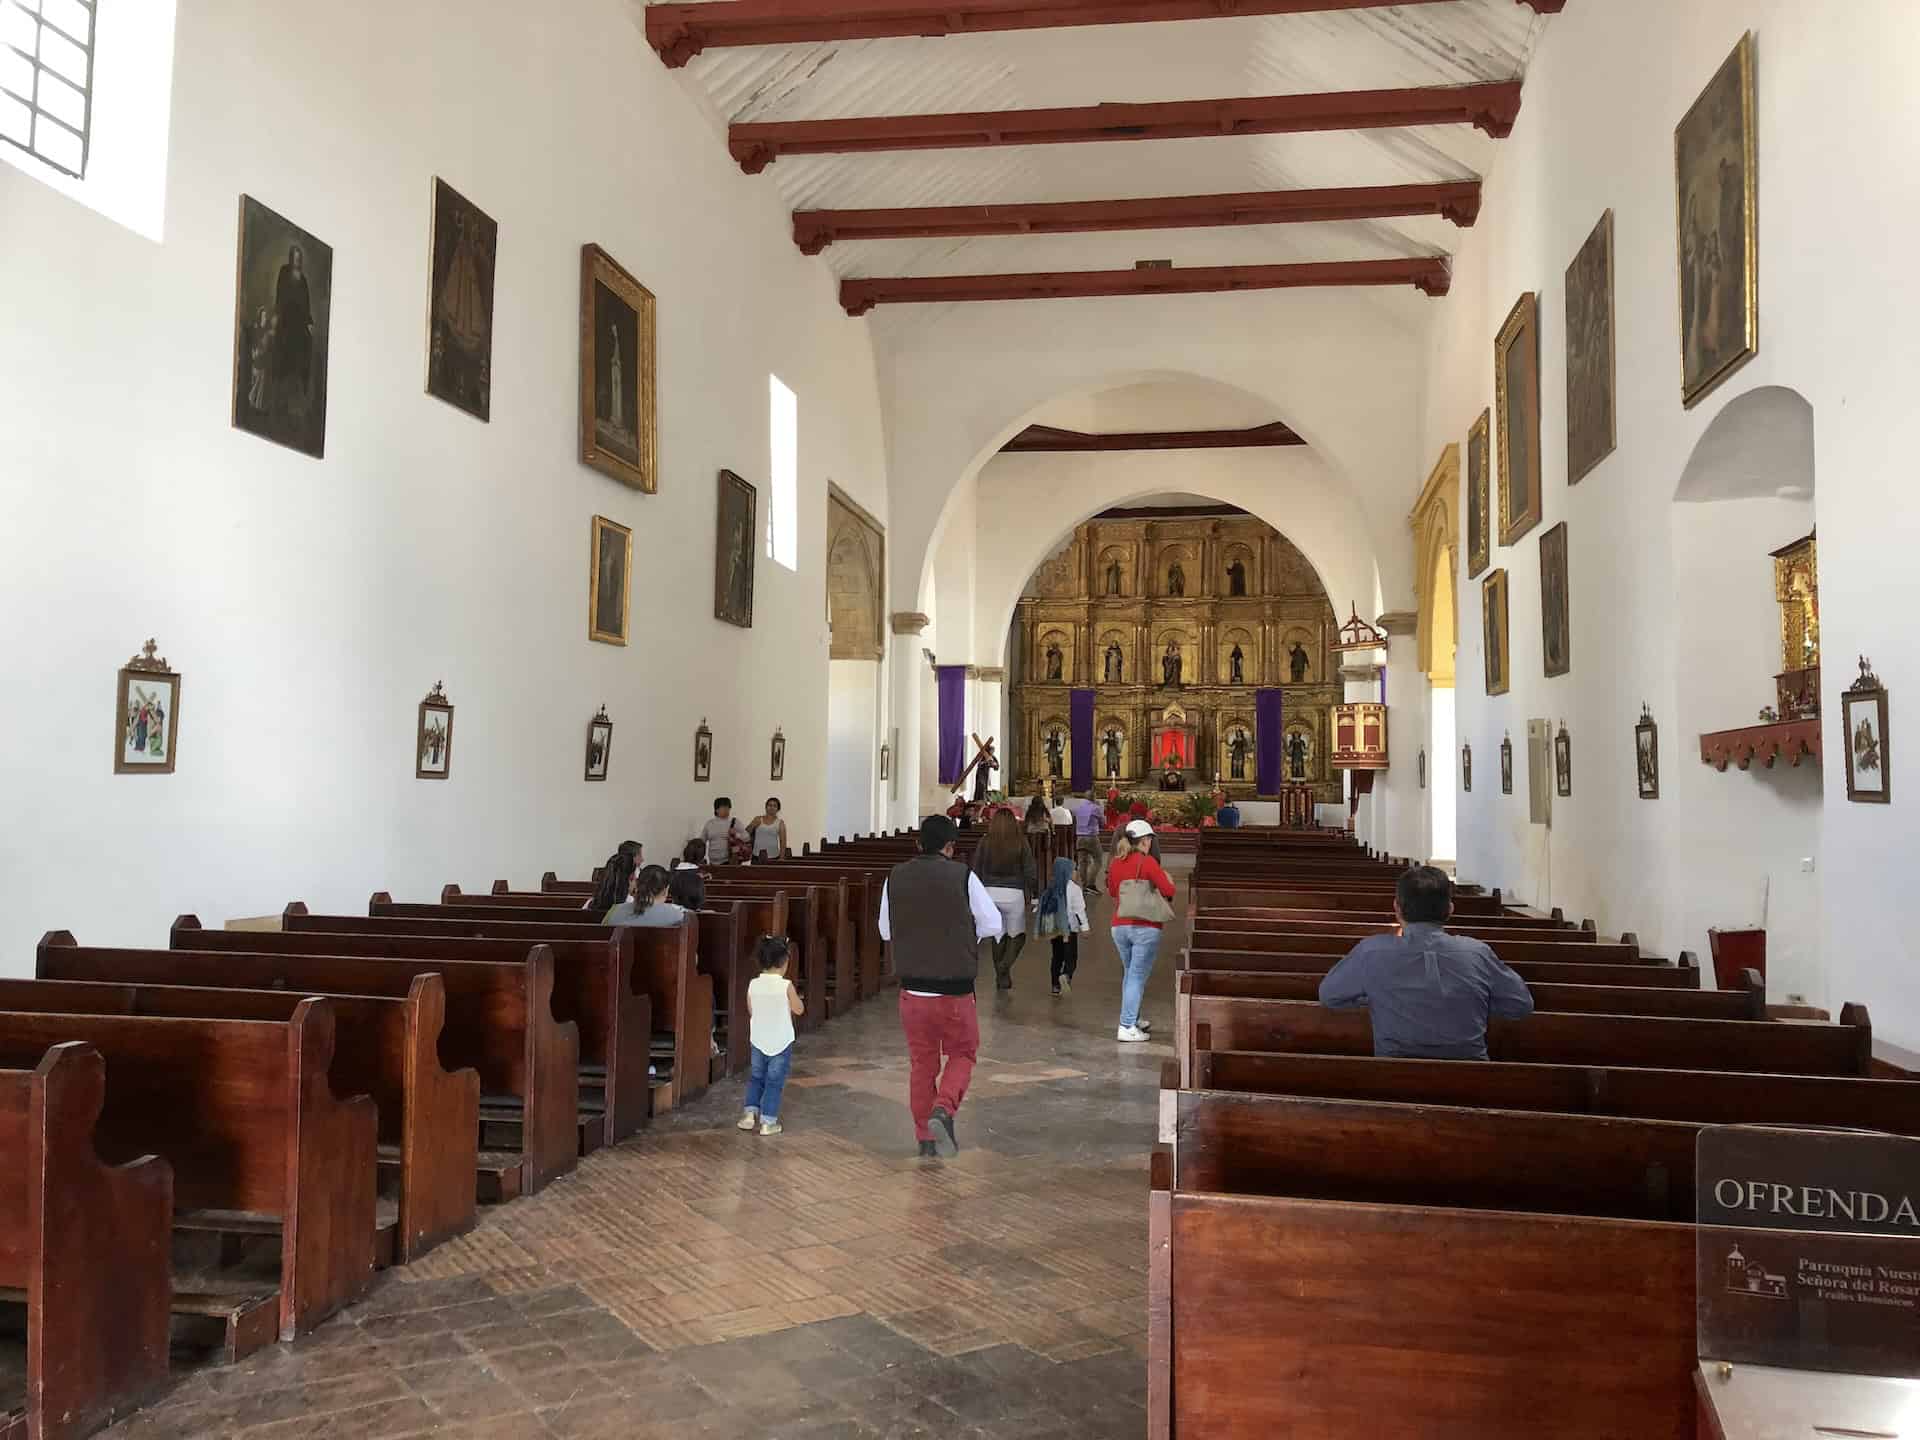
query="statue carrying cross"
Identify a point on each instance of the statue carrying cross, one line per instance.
(983, 761)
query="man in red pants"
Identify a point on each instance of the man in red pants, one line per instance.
(936, 913)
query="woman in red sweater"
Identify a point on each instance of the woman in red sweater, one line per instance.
(1134, 879)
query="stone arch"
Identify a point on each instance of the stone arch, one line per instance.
(1436, 550)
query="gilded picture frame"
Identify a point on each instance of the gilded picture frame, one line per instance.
(609, 581)
(1479, 506)
(1556, 628)
(1516, 373)
(1864, 739)
(619, 433)
(599, 746)
(433, 736)
(1592, 420)
(1717, 227)
(1497, 640)
(146, 731)
(736, 546)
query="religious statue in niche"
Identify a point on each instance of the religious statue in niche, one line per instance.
(1170, 664)
(1237, 667)
(1055, 661)
(1056, 748)
(1113, 578)
(1176, 580)
(1236, 579)
(1239, 744)
(1110, 746)
(1297, 755)
(1297, 662)
(1115, 663)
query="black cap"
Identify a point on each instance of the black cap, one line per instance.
(936, 833)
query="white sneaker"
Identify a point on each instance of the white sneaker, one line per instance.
(772, 1127)
(1144, 1025)
(748, 1119)
(1130, 1033)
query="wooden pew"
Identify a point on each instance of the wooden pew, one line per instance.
(1567, 972)
(1749, 1003)
(384, 1048)
(797, 912)
(499, 1020)
(852, 919)
(83, 1245)
(1212, 934)
(728, 949)
(1637, 1041)
(1324, 922)
(259, 1144)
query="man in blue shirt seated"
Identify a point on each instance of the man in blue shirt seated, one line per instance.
(1430, 994)
(1228, 816)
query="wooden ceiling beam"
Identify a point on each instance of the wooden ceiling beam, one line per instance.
(1492, 107)
(1431, 274)
(1052, 440)
(1457, 200)
(680, 32)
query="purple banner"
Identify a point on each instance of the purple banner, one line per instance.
(1269, 741)
(1080, 716)
(952, 680)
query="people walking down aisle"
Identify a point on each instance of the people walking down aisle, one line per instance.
(1062, 916)
(1004, 863)
(1143, 904)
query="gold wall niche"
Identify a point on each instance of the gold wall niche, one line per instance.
(1131, 590)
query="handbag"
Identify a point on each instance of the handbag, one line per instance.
(1139, 900)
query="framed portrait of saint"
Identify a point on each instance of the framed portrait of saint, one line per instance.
(1563, 762)
(1715, 158)
(460, 302)
(283, 305)
(1646, 755)
(1591, 431)
(779, 765)
(703, 753)
(1556, 629)
(1506, 765)
(736, 546)
(608, 581)
(1863, 712)
(433, 736)
(147, 718)
(599, 745)
(1493, 614)
(1466, 767)
(1479, 512)
(618, 435)
(1516, 366)
(1423, 769)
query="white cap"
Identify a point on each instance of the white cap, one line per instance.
(1137, 828)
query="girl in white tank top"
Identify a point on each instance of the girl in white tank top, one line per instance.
(772, 1002)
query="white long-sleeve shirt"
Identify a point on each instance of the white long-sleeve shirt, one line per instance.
(986, 915)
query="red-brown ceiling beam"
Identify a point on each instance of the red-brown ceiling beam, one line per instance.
(1457, 200)
(1492, 107)
(680, 32)
(1052, 440)
(1431, 274)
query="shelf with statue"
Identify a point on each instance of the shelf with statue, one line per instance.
(1790, 727)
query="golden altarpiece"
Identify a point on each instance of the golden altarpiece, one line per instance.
(1175, 619)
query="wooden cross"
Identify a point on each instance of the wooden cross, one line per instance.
(979, 754)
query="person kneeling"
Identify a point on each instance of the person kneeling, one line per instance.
(1429, 993)
(772, 1002)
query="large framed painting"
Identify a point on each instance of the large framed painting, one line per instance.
(1479, 513)
(617, 431)
(1555, 624)
(283, 302)
(147, 718)
(1863, 710)
(1516, 365)
(1716, 172)
(433, 736)
(599, 745)
(1591, 430)
(460, 304)
(608, 582)
(1493, 611)
(736, 544)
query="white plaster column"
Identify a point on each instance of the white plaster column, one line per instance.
(900, 803)
(1360, 680)
(1396, 791)
(987, 717)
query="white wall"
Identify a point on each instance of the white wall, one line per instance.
(310, 604)
(1838, 193)
(853, 745)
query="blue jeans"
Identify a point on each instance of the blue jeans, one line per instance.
(768, 1079)
(1137, 944)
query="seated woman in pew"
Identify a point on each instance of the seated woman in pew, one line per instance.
(1429, 993)
(616, 878)
(649, 905)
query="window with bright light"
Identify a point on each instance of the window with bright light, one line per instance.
(783, 507)
(46, 80)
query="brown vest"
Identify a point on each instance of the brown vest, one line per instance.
(934, 948)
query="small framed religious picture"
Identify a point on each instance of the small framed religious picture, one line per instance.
(617, 433)
(1506, 765)
(599, 745)
(1466, 768)
(1646, 755)
(886, 762)
(779, 755)
(1863, 711)
(1423, 769)
(1563, 762)
(147, 719)
(433, 737)
(703, 752)
(607, 582)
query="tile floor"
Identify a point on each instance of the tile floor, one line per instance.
(824, 1283)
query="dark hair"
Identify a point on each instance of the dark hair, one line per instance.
(694, 852)
(773, 951)
(687, 888)
(653, 879)
(1037, 810)
(936, 833)
(1425, 895)
(721, 803)
(614, 876)
(1004, 840)
(630, 848)
(773, 804)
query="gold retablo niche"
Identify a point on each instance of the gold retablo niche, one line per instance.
(1174, 618)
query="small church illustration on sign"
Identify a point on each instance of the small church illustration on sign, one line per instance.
(1749, 1277)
